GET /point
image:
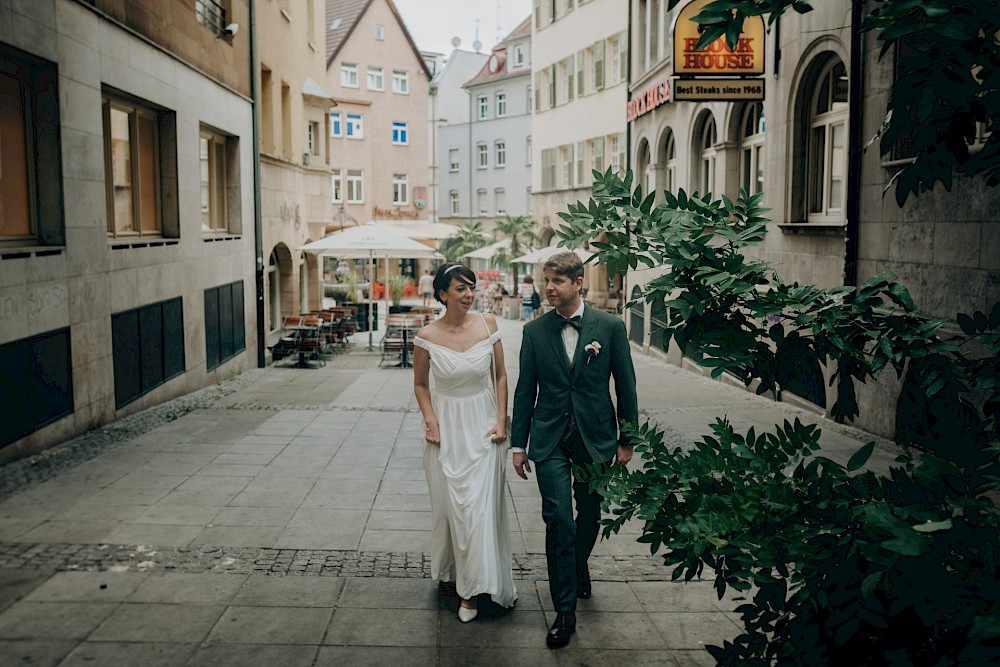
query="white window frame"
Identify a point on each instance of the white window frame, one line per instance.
(481, 201)
(548, 169)
(707, 155)
(597, 154)
(400, 82)
(375, 79)
(527, 150)
(400, 189)
(518, 60)
(671, 174)
(453, 159)
(482, 107)
(312, 137)
(752, 148)
(349, 75)
(355, 126)
(379, 32)
(355, 186)
(453, 202)
(566, 164)
(337, 186)
(400, 133)
(336, 124)
(501, 105)
(500, 200)
(482, 155)
(826, 125)
(500, 154)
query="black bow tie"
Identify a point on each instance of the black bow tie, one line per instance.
(576, 322)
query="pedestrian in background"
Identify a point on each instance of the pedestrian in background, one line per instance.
(527, 293)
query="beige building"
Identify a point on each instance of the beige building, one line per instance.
(830, 223)
(378, 131)
(294, 155)
(126, 209)
(579, 69)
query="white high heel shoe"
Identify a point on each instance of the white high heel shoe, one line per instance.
(465, 614)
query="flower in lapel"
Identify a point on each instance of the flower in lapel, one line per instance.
(593, 349)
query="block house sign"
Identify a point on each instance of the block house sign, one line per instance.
(649, 99)
(717, 59)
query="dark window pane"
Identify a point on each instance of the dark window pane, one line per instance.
(151, 345)
(53, 379)
(239, 318)
(225, 325)
(14, 387)
(125, 342)
(212, 355)
(173, 338)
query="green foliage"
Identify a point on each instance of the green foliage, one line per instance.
(519, 230)
(470, 237)
(946, 91)
(842, 565)
(397, 285)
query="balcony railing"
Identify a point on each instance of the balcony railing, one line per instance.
(211, 15)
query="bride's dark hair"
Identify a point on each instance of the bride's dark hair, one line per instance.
(449, 272)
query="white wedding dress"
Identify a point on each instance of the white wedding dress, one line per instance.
(470, 543)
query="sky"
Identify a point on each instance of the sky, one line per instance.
(433, 23)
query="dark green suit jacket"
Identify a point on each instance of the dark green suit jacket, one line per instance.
(549, 391)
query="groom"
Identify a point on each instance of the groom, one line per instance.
(563, 407)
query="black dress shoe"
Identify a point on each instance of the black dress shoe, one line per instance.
(561, 630)
(584, 590)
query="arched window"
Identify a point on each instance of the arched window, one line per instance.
(752, 148)
(706, 156)
(643, 168)
(826, 163)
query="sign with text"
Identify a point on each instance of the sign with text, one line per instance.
(718, 90)
(717, 59)
(649, 99)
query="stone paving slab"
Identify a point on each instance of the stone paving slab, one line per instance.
(281, 518)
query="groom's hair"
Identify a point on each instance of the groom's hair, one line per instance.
(566, 264)
(445, 274)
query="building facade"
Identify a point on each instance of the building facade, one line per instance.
(491, 169)
(451, 132)
(127, 223)
(378, 131)
(294, 155)
(831, 224)
(580, 89)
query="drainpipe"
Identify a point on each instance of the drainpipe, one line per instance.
(258, 226)
(854, 141)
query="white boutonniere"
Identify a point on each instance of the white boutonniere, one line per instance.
(593, 349)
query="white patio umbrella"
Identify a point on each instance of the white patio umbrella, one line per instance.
(487, 252)
(435, 231)
(369, 241)
(542, 255)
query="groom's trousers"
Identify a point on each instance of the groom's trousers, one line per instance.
(568, 542)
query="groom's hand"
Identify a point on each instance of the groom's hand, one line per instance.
(521, 464)
(624, 455)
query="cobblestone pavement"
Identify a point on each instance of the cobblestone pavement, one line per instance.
(286, 562)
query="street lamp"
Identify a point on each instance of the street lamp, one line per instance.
(343, 216)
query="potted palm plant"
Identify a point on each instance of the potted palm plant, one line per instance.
(397, 286)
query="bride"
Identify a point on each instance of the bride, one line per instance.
(465, 415)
